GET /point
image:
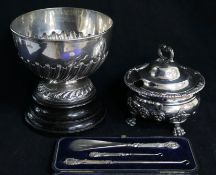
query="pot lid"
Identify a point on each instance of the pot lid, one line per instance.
(164, 77)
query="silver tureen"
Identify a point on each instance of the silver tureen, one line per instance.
(163, 90)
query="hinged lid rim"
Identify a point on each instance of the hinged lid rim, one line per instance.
(195, 89)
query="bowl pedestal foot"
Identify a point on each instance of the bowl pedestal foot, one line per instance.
(67, 119)
(65, 108)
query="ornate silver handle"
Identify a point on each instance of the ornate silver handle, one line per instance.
(169, 145)
(106, 154)
(73, 161)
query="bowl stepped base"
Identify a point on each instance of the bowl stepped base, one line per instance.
(67, 119)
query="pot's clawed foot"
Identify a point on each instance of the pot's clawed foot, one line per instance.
(178, 131)
(131, 121)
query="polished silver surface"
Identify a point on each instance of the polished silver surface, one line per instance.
(73, 161)
(89, 144)
(108, 154)
(63, 46)
(163, 90)
(164, 78)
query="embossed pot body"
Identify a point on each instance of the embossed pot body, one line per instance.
(163, 90)
(63, 46)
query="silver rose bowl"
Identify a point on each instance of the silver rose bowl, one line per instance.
(63, 46)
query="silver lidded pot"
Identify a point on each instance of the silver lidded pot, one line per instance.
(63, 46)
(163, 90)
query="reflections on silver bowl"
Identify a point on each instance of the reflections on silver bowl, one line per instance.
(62, 43)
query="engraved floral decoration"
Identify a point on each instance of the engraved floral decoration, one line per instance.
(180, 116)
(139, 106)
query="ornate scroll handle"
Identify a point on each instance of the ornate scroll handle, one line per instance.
(73, 161)
(107, 154)
(104, 154)
(168, 145)
(166, 49)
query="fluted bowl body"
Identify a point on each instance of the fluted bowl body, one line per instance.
(62, 44)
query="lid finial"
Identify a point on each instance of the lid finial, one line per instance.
(166, 49)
